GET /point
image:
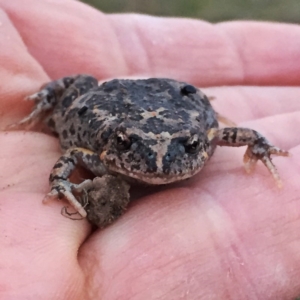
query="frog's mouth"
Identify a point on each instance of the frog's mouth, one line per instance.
(155, 178)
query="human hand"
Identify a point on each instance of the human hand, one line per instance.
(221, 235)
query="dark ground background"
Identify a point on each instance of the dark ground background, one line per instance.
(211, 10)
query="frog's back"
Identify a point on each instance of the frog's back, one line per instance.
(150, 105)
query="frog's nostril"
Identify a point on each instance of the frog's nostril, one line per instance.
(168, 156)
(150, 155)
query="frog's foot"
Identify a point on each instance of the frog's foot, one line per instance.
(263, 151)
(42, 105)
(60, 185)
(66, 190)
(44, 101)
(259, 148)
(76, 215)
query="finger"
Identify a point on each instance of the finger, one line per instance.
(36, 240)
(120, 45)
(38, 250)
(245, 103)
(20, 74)
(267, 51)
(200, 239)
(93, 50)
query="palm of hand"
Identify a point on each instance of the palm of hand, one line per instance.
(223, 233)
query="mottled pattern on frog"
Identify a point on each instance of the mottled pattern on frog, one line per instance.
(158, 115)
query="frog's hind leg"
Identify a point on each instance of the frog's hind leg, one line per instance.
(44, 101)
(211, 98)
(259, 148)
(225, 120)
(220, 117)
(49, 96)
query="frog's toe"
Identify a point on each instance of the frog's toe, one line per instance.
(51, 196)
(33, 97)
(83, 186)
(249, 163)
(25, 124)
(75, 203)
(263, 153)
(43, 96)
(63, 191)
(42, 105)
(277, 151)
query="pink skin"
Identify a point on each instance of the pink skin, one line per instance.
(221, 235)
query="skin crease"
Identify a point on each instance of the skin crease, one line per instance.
(221, 235)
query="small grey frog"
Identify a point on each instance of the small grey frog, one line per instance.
(152, 131)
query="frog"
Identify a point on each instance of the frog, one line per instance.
(153, 131)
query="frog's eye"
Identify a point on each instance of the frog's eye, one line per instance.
(192, 145)
(122, 141)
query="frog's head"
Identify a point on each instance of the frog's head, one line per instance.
(154, 157)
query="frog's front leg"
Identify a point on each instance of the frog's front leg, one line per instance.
(259, 148)
(50, 94)
(60, 185)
